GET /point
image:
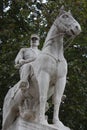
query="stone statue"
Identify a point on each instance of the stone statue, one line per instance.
(25, 55)
(49, 70)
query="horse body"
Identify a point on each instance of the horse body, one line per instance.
(50, 68)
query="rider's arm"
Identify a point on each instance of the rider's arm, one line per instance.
(19, 58)
(30, 59)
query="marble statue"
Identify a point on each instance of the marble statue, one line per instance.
(47, 71)
(25, 55)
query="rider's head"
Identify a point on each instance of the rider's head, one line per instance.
(34, 40)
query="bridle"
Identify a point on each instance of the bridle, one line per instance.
(70, 40)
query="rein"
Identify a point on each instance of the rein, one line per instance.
(56, 59)
(50, 43)
(52, 39)
(71, 39)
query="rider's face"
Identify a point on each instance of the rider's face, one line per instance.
(34, 41)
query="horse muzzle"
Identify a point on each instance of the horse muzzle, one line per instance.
(74, 30)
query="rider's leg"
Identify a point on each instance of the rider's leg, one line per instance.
(24, 74)
(24, 71)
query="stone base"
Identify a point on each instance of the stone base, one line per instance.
(20, 124)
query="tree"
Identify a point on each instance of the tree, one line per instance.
(19, 19)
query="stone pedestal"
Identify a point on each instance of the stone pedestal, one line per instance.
(20, 124)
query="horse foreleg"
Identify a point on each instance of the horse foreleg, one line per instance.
(43, 82)
(58, 92)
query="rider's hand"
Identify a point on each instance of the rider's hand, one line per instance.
(17, 66)
(21, 62)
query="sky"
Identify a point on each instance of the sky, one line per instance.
(44, 1)
(7, 8)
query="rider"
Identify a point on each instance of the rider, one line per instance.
(22, 62)
(27, 55)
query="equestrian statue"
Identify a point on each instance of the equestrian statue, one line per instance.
(47, 72)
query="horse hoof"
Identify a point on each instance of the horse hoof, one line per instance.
(41, 121)
(60, 125)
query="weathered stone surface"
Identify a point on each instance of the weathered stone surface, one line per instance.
(27, 100)
(20, 124)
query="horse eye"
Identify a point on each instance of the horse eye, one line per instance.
(34, 38)
(65, 16)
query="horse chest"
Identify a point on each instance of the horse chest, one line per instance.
(61, 69)
(51, 66)
(56, 69)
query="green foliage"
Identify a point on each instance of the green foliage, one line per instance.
(26, 17)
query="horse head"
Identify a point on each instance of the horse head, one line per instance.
(67, 24)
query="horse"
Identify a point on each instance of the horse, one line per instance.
(50, 68)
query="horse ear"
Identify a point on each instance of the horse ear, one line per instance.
(62, 7)
(61, 11)
(69, 11)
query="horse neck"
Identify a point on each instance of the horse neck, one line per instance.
(54, 43)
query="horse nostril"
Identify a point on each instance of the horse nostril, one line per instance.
(77, 27)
